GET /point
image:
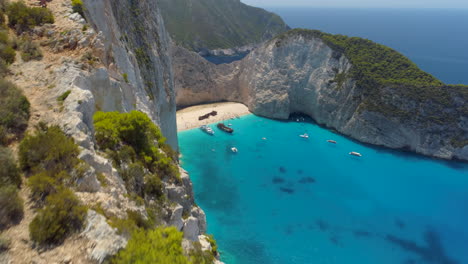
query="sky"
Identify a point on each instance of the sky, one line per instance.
(363, 3)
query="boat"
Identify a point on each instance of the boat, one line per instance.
(207, 129)
(357, 154)
(225, 128)
(234, 149)
(305, 135)
(331, 141)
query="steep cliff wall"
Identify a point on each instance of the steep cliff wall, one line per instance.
(305, 73)
(136, 44)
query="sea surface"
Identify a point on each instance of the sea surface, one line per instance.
(435, 39)
(285, 199)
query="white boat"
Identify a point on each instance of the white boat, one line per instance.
(305, 135)
(331, 141)
(357, 154)
(234, 149)
(207, 129)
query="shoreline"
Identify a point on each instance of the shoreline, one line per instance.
(187, 118)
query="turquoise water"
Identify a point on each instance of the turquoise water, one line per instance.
(291, 200)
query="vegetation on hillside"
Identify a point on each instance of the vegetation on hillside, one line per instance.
(49, 157)
(143, 159)
(14, 113)
(135, 144)
(23, 18)
(215, 24)
(129, 139)
(62, 215)
(160, 245)
(11, 206)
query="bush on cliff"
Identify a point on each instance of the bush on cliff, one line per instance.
(14, 113)
(23, 18)
(49, 149)
(129, 137)
(62, 215)
(9, 172)
(30, 50)
(161, 245)
(77, 6)
(11, 206)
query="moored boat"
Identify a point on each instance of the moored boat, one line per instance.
(305, 135)
(357, 154)
(207, 129)
(234, 149)
(225, 128)
(331, 141)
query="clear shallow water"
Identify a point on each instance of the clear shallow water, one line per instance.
(435, 39)
(291, 200)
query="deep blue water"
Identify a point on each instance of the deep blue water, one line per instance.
(435, 39)
(292, 200)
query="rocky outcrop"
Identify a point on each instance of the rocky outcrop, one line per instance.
(104, 240)
(302, 74)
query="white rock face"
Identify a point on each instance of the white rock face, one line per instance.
(137, 46)
(176, 217)
(104, 239)
(191, 229)
(297, 74)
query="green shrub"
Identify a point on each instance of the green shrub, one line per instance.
(161, 245)
(22, 18)
(4, 244)
(62, 215)
(133, 177)
(30, 50)
(9, 172)
(7, 53)
(198, 256)
(134, 129)
(48, 149)
(77, 6)
(125, 77)
(153, 186)
(118, 132)
(3, 68)
(133, 222)
(214, 245)
(11, 206)
(42, 185)
(14, 113)
(63, 96)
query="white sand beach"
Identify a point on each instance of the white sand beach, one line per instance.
(187, 118)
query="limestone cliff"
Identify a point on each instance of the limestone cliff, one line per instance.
(305, 73)
(116, 60)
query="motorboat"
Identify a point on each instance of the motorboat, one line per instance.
(357, 154)
(234, 149)
(305, 135)
(331, 141)
(207, 129)
(225, 128)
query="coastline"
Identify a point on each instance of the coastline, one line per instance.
(187, 118)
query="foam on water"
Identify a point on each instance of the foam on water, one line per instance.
(292, 200)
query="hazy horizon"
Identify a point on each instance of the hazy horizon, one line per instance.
(420, 4)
